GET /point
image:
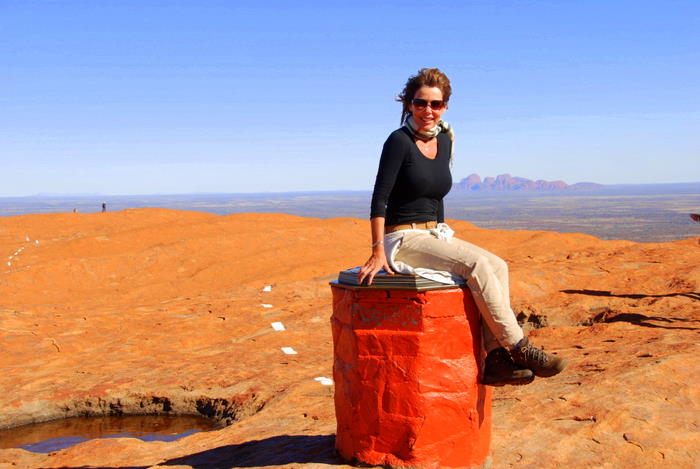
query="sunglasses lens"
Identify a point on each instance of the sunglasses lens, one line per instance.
(422, 104)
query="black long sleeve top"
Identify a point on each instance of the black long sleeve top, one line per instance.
(409, 187)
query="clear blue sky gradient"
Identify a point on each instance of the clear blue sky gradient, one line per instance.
(146, 97)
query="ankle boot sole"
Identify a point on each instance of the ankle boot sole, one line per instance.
(512, 382)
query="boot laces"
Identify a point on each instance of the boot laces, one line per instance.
(536, 354)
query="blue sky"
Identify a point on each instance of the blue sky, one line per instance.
(145, 97)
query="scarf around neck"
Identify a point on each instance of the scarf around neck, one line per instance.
(426, 135)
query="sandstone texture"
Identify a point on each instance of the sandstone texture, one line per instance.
(163, 311)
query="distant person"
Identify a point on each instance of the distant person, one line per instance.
(75, 210)
(104, 207)
(409, 230)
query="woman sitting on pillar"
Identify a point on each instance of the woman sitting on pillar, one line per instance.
(408, 229)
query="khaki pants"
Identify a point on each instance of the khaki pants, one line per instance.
(485, 273)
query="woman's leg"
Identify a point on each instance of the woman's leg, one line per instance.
(486, 275)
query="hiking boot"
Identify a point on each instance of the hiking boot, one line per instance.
(500, 370)
(537, 360)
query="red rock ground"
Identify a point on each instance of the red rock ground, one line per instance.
(145, 310)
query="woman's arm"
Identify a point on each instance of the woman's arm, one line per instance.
(393, 154)
(377, 260)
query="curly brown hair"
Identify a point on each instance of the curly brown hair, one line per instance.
(432, 77)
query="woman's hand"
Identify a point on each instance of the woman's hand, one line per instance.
(376, 262)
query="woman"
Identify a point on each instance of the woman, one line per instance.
(409, 233)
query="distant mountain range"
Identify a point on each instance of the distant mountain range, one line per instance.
(506, 182)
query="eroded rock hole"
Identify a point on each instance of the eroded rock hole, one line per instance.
(530, 320)
(146, 418)
(602, 315)
(55, 435)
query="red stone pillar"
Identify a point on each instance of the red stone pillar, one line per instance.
(406, 371)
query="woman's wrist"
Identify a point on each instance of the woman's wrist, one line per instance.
(377, 243)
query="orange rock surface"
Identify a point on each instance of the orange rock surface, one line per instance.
(156, 310)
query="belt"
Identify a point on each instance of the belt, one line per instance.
(428, 225)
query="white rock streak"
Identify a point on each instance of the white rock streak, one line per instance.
(278, 326)
(266, 305)
(288, 350)
(267, 288)
(324, 381)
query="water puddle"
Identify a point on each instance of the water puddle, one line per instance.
(58, 434)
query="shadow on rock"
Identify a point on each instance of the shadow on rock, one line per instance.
(636, 296)
(274, 451)
(645, 321)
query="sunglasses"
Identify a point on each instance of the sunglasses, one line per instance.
(422, 104)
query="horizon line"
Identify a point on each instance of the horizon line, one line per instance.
(326, 191)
